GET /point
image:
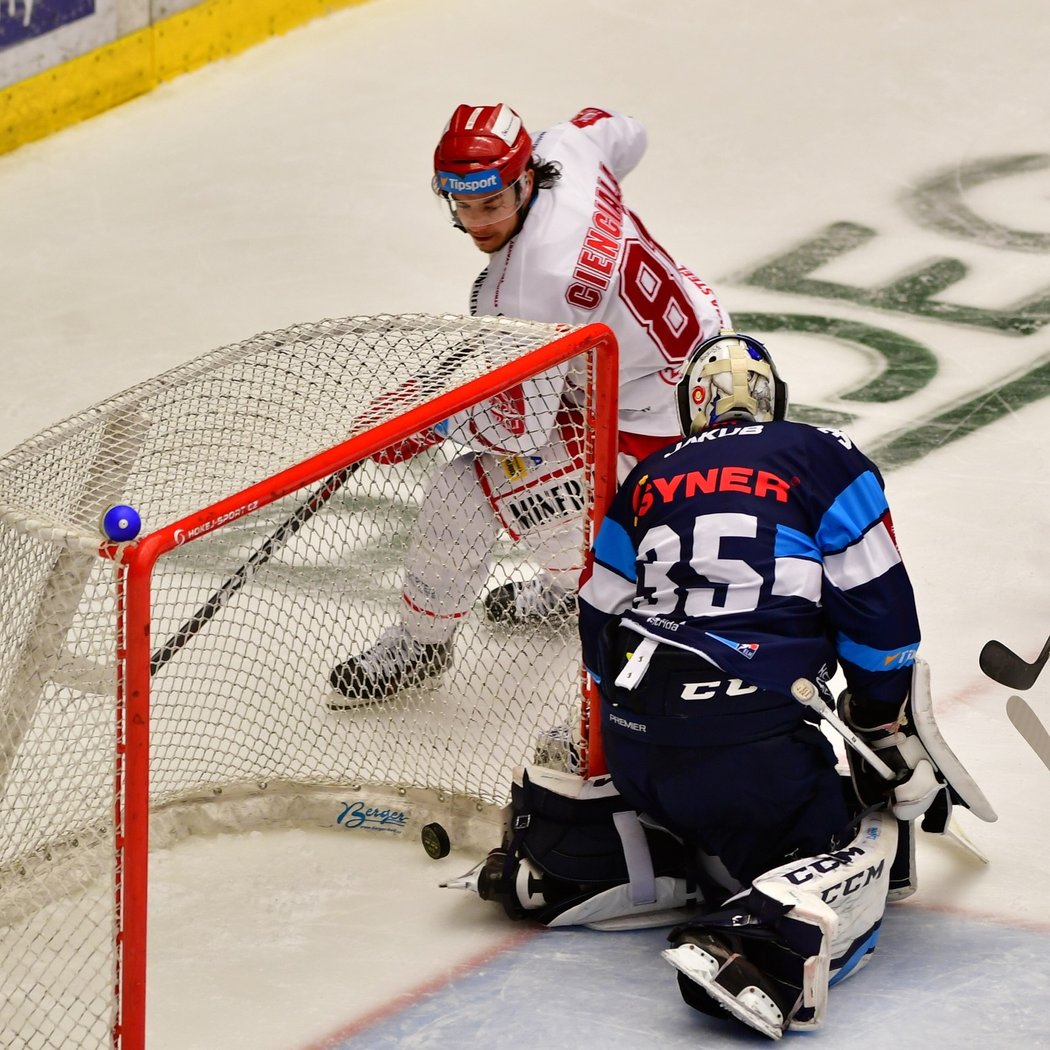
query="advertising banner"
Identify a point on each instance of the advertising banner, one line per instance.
(23, 20)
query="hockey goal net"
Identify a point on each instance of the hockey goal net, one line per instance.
(177, 683)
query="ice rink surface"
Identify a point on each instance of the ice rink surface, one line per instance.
(903, 142)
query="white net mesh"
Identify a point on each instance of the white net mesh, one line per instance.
(239, 707)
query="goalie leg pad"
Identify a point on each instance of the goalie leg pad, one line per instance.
(575, 853)
(851, 883)
(803, 926)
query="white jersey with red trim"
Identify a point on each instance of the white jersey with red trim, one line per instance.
(581, 257)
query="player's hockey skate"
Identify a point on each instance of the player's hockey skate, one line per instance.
(531, 602)
(397, 661)
(712, 970)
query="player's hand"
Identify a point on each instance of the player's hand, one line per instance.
(386, 407)
(886, 730)
(407, 448)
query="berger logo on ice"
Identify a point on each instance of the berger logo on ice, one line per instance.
(359, 814)
(475, 182)
(745, 649)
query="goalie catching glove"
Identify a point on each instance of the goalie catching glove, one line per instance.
(929, 778)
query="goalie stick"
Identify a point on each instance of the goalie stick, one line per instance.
(1007, 668)
(288, 528)
(807, 694)
(1028, 725)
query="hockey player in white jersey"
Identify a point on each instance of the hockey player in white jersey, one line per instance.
(563, 247)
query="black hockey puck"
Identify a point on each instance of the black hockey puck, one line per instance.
(435, 841)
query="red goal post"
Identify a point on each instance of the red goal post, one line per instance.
(228, 458)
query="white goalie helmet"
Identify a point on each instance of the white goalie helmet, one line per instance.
(730, 376)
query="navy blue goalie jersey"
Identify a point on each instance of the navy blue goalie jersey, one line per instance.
(766, 548)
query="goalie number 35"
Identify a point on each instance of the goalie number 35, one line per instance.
(726, 585)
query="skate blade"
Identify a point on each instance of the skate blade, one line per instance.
(339, 702)
(467, 881)
(701, 968)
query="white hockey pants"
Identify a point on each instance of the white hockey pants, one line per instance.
(471, 501)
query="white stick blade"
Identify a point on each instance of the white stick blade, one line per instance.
(1028, 725)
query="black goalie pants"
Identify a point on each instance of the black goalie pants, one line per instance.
(735, 771)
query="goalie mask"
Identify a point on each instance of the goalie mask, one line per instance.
(730, 376)
(483, 152)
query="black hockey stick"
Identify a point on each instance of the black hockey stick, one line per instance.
(1028, 725)
(1007, 668)
(429, 386)
(284, 532)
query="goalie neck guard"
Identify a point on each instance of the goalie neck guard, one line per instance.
(729, 377)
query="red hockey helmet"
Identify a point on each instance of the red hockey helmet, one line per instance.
(484, 149)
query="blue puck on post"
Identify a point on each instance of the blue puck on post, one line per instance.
(120, 523)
